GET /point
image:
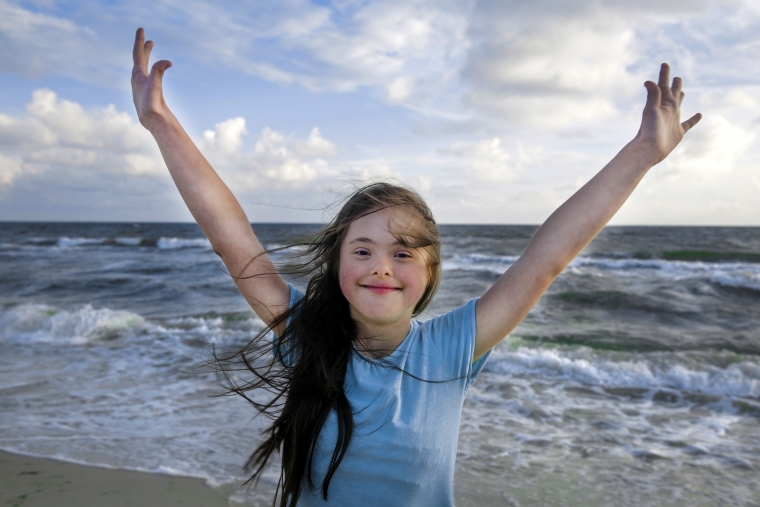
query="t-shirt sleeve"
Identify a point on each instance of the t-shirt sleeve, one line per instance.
(453, 334)
(282, 353)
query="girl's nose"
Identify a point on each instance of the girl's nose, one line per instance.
(382, 267)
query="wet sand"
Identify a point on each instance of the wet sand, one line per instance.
(35, 482)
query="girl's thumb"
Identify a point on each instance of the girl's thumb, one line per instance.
(159, 68)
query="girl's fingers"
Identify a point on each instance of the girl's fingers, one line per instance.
(680, 98)
(664, 77)
(691, 122)
(157, 72)
(147, 47)
(677, 84)
(654, 95)
(138, 52)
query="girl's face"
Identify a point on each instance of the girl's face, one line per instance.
(381, 279)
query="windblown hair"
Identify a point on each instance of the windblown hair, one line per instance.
(318, 341)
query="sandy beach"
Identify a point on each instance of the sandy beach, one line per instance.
(35, 482)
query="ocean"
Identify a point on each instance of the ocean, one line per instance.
(635, 381)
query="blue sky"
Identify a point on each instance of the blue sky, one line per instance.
(496, 111)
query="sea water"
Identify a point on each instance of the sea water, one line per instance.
(634, 381)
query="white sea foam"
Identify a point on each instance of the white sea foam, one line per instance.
(739, 379)
(66, 242)
(44, 324)
(175, 243)
(728, 274)
(495, 264)
(118, 265)
(741, 280)
(278, 251)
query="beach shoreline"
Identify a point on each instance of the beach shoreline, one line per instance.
(41, 482)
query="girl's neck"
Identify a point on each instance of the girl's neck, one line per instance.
(381, 341)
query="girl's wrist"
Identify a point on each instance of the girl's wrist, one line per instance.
(155, 123)
(645, 153)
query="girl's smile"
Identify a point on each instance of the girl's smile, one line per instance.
(381, 289)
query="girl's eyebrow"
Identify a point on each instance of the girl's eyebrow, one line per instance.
(370, 241)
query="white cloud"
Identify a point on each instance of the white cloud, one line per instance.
(59, 148)
(742, 99)
(315, 146)
(399, 89)
(375, 41)
(559, 65)
(340, 47)
(10, 168)
(477, 77)
(59, 136)
(37, 44)
(550, 69)
(273, 158)
(712, 149)
(485, 159)
(227, 138)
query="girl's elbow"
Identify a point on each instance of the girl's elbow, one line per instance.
(553, 272)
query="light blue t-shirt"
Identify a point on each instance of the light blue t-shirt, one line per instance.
(404, 445)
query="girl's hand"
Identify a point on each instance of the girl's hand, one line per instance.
(661, 128)
(147, 92)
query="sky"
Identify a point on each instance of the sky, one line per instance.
(495, 111)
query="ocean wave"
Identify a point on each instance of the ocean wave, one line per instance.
(128, 241)
(175, 243)
(738, 379)
(37, 241)
(495, 264)
(730, 274)
(66, 242)
(221, 329)
(44, 324)
(499, 263)
(283, 251)
(738, 281)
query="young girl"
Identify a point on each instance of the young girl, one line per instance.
(366, 400)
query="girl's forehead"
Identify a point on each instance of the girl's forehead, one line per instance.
(391, 221)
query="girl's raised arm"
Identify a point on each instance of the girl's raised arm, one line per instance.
(574, 224)
(209, 200)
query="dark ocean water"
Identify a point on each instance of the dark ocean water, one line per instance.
(634, 381)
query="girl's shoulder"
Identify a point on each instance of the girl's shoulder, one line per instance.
(458, 322)
(453, 335)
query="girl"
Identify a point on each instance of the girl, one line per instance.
(372, 399)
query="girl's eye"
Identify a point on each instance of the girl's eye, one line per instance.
(404, 255)
(362, 251)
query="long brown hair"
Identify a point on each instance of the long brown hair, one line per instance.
(319, 335)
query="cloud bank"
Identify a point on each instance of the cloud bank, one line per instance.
(497, 110)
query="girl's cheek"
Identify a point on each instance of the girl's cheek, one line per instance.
(346, 282)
